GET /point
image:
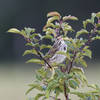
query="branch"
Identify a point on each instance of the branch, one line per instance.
(42, 58)
(29, 41)
(65, 93)
(75, 52)
(86, 43)
(71, 63)
(89, 37)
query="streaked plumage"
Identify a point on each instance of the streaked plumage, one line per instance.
(59, 45)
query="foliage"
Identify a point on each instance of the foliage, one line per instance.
(66, 77)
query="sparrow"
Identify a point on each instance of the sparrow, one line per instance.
(59, 46)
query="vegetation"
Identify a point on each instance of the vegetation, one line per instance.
(68, 77)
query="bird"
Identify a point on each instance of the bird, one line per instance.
(54, 57)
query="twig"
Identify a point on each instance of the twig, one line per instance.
(87, 43)
(63, 69)
(29, 41)
(65, 93)
(71, 63)
(42, 58)
(75, 52)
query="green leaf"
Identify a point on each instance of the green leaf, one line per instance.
(77, 69)
(79, 94)
(37, 86)
(98, 14)
(98, 25)
(48, 25)
(57, 91)
(29, 90)
(69, 76)
(87, 53)
(67, 86)
(82, 62)
(51, 86)
(29, 44)
(65, 18)
(77, 79)
(67, 89)
(47, 56)
(79, 54)
(66, 27)
(59, 73)
(38, 96)
(38, 77)
(80, 76)
(96, 38)
(24, 34)
(33, 45)
(47, 93)
(45, 46)
(86, 22)
(92, 86)
(93, 15)
(38, 61)
(57, 25)
(14, 30)
(30, 52)
(62, 65)
(86, 95)
(82, 31)
(34, 86)
(96, 87)
(54, 18)
(54, 13)
(68, 56)
(35, 35)
(29, 30)
(48, 37)
(49, 31)
(42, 72)
(73, 84)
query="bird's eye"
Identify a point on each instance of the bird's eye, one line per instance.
(64, 48)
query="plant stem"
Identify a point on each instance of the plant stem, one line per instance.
(29, 41)
(65, 93)
(87, 43)
(42, 58)
(71, 63)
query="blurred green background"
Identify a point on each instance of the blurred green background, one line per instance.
(14, 73)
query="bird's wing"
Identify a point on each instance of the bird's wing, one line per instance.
(53, 50)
